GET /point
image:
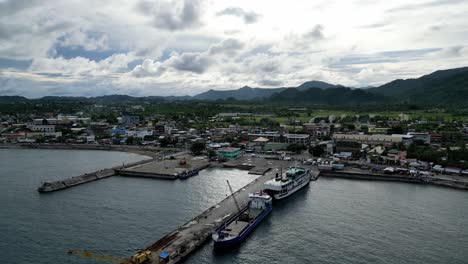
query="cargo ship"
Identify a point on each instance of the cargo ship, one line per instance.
(283, 186)
(235, 229)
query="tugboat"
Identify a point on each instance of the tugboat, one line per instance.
(285, 185)
(235, 229)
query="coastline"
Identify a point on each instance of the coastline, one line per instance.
(141, 150)
(437, 180)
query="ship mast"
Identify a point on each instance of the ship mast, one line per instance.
(233, 197)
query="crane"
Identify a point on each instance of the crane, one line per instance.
(233, 197)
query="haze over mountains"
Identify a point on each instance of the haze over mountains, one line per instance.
(443, 87)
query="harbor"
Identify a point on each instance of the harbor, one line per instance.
(310, 207)
(188, 237)
(180, 243)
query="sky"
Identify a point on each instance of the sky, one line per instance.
(185, 47)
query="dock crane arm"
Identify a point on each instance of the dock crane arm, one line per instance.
(233, 197)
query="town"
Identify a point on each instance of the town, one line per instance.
(416, 143)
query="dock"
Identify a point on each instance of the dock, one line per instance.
(358, 174)
(52, 186)
(166, 168)
(178, 244)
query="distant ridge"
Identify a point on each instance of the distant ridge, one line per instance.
(445, 88)
(439, 88)
(249, 93)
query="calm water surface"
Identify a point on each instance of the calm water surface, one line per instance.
(331, 221)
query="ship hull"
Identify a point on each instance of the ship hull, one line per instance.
(226, 244)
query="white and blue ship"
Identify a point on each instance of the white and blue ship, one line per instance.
(285, 185)
(235, 229)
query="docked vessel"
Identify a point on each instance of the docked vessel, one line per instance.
(284, 185)
(186, 174)
(235, 229)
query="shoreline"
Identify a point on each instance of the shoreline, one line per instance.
(153, 152)
(451, 183)
(141, 150)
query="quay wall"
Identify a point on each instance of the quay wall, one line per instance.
(433, 180)
(53, 186)
(370, 176)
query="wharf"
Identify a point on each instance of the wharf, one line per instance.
(188, 237)
(166, 168)
(257, 164)
(53, 186)
(358, 174)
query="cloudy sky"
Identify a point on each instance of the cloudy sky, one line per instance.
(184, 47)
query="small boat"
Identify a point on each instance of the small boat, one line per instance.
(235, 229)
(184, 175)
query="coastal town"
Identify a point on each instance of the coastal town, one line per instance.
(396, 144)
(396, 147)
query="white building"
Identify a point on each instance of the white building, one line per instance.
(303, 139)
(419, 136)
(42, 128)
(139, 133)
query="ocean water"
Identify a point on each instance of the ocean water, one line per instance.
(331, 221)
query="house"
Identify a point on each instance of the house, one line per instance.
(260, 142)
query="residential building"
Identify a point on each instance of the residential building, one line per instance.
(317, 130)
(228, 153)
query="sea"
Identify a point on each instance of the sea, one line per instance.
(330, 221)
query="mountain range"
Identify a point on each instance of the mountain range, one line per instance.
(440, 88)
(443, 87)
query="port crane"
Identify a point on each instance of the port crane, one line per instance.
(233, 197)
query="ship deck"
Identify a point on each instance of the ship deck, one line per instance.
(236, 227)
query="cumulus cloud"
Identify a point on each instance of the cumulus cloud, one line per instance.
(229, 47)
(163, 47)
(78, 38)
(316, 33)
(148, 68)
(249, 17)
(173, 15)
(194, 62)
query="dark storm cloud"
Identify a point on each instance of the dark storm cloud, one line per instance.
(249, 17)
(192, 62)
(170, 16)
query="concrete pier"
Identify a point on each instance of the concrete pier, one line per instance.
(53, 186)
(189, 236)
(358, 174)
(166, 168)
